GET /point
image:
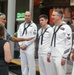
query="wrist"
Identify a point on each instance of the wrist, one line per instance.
(48, 53)
(64, 58)
(25, 45)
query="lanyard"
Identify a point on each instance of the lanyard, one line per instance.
(42, 33)
(25, 28)
(54, 35)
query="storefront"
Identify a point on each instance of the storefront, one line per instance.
(47, 6)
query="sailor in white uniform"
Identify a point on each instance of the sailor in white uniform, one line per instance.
(27, 48)
(60, 44)
(72, 50)
(44, 34)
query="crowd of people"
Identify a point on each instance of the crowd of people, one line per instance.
(55, 45)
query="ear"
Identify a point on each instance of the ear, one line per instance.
(47, 20)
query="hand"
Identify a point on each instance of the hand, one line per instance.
(72, 57)
(23, 47)
(29, 38)
(63, 61)
(48, 58)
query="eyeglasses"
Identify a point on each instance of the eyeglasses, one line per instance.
(55, 15)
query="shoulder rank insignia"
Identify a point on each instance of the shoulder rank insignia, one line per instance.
(47, 31)
(34, 32)
(62, 28)
(30, 25)
(68, 36)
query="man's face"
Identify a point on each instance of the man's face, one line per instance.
(3, 20)
(55, 17)
(43, 21)
(27, 17)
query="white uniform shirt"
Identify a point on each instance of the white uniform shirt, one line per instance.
(44, 47)
(31, 31)
(63, 41)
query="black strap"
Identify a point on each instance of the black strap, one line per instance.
(54, 35)
(25, 28)
(42, 33)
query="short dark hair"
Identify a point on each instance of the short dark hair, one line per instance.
(2, 30)
(59, 11)
(43, 16)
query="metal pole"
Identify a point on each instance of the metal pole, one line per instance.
(31, 6)
(11, 21)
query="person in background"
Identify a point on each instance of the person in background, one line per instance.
(72, 27)
(5, 55)
(60, 44)
(73, 21)
(44, 35)
(8, 36)
(72, 51)
(27, 48)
